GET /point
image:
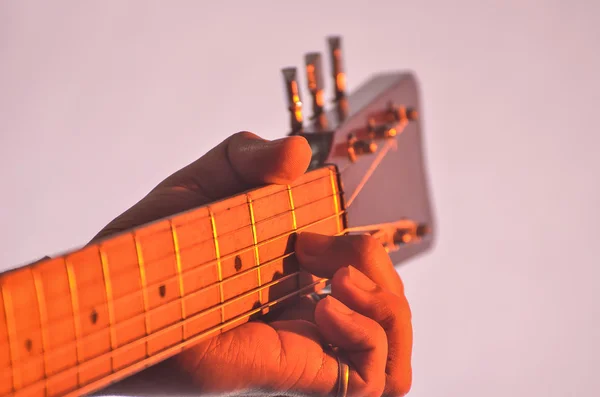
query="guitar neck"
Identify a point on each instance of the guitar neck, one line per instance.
(78, 322)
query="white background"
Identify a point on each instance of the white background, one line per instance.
(99, 101)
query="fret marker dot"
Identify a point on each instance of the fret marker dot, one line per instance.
(162, 290)
(28, 345)
(94, 316)
(238, 263)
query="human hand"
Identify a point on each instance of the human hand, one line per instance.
(367, 315)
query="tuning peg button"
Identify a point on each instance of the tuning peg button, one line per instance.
(339, 76)
(314, 77)
(411, 234)
(402, 113)
(292, 91)
(337, 67)
(358, 147)
(380, 131)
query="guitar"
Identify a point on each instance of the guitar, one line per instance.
(73, 324)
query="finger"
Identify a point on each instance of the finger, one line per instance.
(389, 310)
(302, 309)
(362, 340)
(240, 162)
(323, 255)
(285, 356)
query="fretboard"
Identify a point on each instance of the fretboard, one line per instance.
(78, 322)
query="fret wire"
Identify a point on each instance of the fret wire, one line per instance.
(211, 309)
(84, 389)
(256, 257)
(261, 198)
(11, 326)
(292, 208)
(205, 311)
(243, 250)
(179, 274)
(109, 303)
(142, 266)
(228, 256)
(75, 306)
(39, 292)
(264, 242)
(72, 276)
(213, 225)
(335, 198)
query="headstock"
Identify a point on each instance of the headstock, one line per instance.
(374, 138)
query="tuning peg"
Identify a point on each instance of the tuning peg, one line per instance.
(402, 113)
(412, 114)
(359, 146)
(376, 131)
(337, 68)
(293, 97)
(314, 76)
(407, 235)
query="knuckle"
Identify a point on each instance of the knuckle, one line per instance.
(387, 315)
(374, 387)
(339, 279)
(376, 335)
(399, 385)
(391, 310)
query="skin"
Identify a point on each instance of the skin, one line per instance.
(367, 315)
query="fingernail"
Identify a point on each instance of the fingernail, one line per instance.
(313, 244)
(338, 306)
(276, 142)
(269, 145)
(262, 147)
(360, 280)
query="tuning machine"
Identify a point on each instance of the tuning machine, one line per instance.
(401, 114)
(357, 146)
(380, 131)
(394, 235)
(406, 235)
(314, 78)
(292, 90)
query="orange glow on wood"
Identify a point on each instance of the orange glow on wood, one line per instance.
(72, 324)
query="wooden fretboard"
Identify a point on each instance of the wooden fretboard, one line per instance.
(76, 323)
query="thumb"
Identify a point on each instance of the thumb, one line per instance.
(239, 163)
(242, 161)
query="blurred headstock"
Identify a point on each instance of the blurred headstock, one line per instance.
(373, 136)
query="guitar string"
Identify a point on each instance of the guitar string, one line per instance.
(370, 171)
(230, 255)
(216, 214)
(170, 350)
(249, 248)
(183, 213)
(221, 237)
(203, 265)
(376, 162)
(205, 311)
(227, 234)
